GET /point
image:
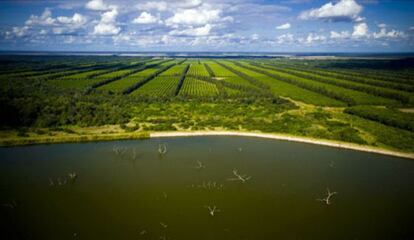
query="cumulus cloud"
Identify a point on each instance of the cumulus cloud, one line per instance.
(107, 25)
(197, 31)
(340, 35)
(146, 18)
(285, 38)
(189, 3)
(283, 26)
(149, 6)
(162, 6)
(18, 32)
(97, 5)
(45, 19)
(76, 21)
(196, 17)
(344, 10)
(360, 30)
(313, 37)
(392, 34)
(46, 23)
(106, 29)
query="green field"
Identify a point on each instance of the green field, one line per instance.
(313, 98)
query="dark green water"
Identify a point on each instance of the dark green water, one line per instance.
(163, 197)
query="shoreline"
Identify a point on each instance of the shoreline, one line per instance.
(15, 142)
(290, 138)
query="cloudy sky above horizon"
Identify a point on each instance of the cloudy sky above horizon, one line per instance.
(208, 25)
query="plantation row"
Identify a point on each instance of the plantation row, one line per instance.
(121, 75)
(222, 74)
(394, 71)
(149, 78)
(250, 79)
(352, 78)
(350, 97)
(385, 116)
(66, 70)
(193, 87)
(373, 90)
(310, 82)
(198, 70)
(394, 78)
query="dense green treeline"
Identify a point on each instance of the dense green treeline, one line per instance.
(385, 116)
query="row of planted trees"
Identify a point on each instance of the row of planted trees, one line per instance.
(308, 86)
(380, 92)
(149, 77)
(385, 116)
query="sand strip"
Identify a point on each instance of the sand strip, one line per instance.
(286, 138)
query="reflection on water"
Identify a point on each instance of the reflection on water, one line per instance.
(203, 188)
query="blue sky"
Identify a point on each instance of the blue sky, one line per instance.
(208, 25)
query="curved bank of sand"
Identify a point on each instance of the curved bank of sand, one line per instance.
(275, 136)
(10, 142)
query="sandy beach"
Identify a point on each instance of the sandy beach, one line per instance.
(337, 144)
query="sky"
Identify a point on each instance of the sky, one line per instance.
(208, 25)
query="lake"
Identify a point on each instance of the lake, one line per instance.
(212, 187)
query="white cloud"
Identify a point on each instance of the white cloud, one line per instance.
(360, 30)
(121, 38)
(344, 10)
(313, 37)
(45, 23)
(340, 35)
(148, 6)
(44, 20)
(106, 29)
(283, 26)
(109, 16)
(20, 31)
(162, 6)
(107, 25)
(146, 18)
(197, 31)
(285, 38)
(196, 17)
(97, 5)
(382, 25)
(189, 3)
(390, 34)
(255, 37)
(411, 28)
(76, 21)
